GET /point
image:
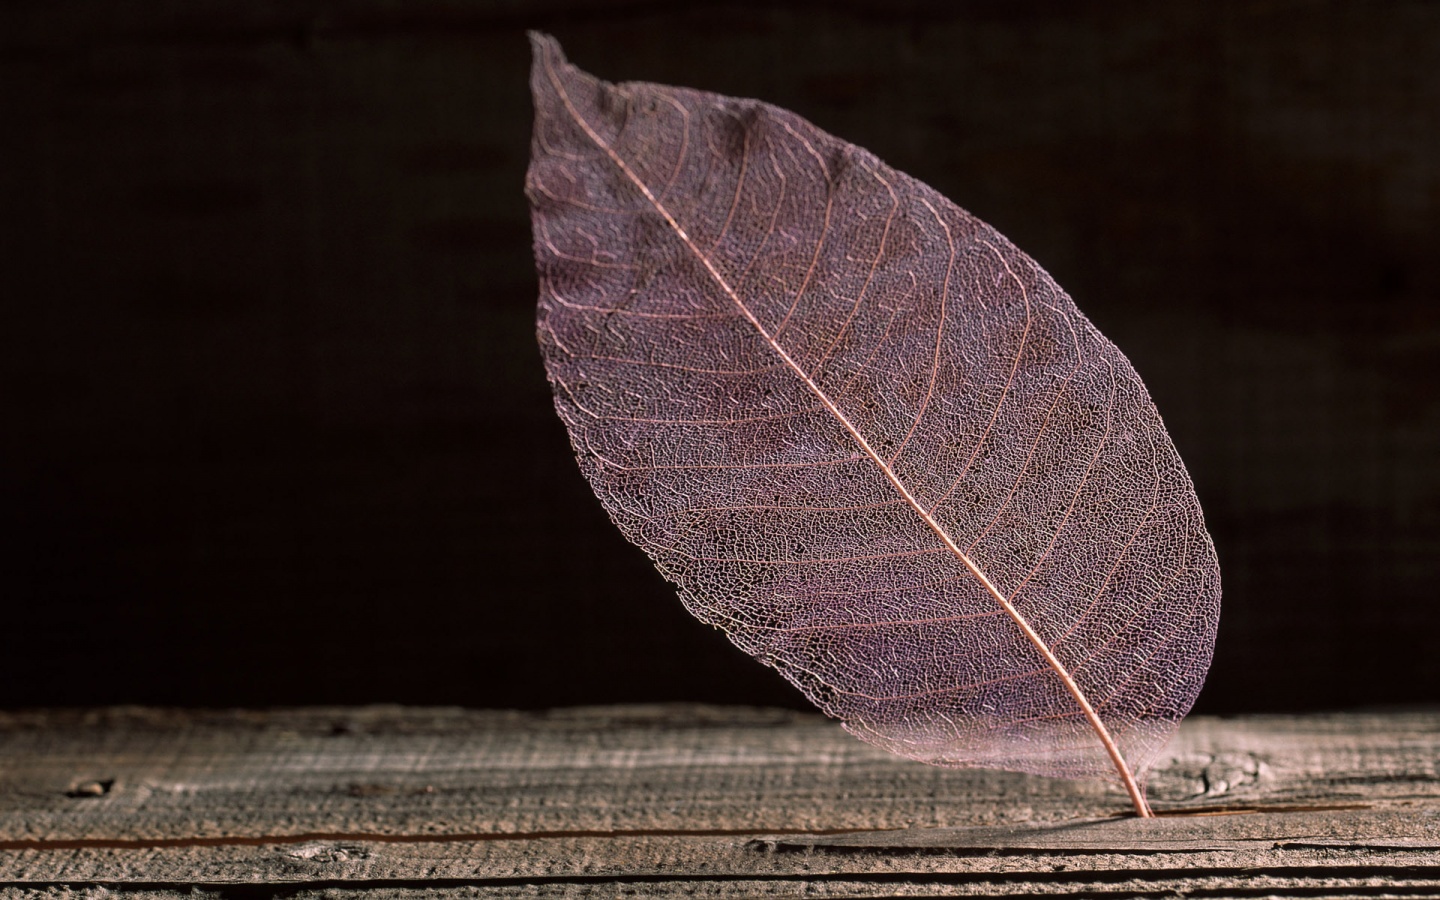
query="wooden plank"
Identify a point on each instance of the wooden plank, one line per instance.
(694, 800)
(707, 867)
(176, 775)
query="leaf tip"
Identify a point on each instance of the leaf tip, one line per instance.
(545, 49)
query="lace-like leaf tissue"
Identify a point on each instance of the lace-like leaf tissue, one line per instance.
(864, 434)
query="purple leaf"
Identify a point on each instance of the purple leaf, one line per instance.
(864, 434)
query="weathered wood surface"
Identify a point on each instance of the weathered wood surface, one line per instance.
(699, 801)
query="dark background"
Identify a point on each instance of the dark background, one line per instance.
(275, 431)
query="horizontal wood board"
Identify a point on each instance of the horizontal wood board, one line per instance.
(692, 800)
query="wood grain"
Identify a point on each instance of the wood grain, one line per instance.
(693, 800)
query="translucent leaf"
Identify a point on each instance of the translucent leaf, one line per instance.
(864, 434)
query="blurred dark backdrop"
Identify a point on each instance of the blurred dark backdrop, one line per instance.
(274, 429)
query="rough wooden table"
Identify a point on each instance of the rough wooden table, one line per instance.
(694, 801)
